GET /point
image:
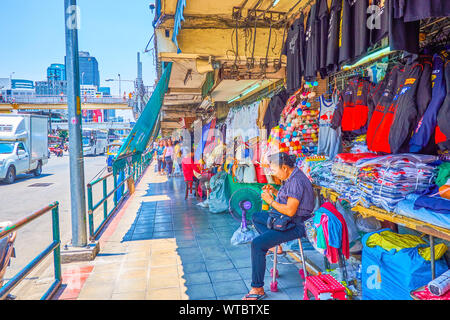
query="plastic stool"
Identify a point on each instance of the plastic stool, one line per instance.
(324, 287)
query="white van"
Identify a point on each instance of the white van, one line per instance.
(23, 145)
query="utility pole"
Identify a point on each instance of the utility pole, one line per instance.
(77, 190)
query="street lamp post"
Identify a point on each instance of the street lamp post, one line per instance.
(120, 88)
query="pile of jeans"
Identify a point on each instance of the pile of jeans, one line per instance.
(385, 181)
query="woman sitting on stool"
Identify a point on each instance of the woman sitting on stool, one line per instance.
(295, 199)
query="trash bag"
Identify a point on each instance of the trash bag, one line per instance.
(241, 235)
(217, 198)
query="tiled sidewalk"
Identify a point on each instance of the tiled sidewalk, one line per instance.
(161, 246)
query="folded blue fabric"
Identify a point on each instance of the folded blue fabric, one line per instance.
(431, 200)
(406, 208)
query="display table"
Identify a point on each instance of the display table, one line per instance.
(380, 214)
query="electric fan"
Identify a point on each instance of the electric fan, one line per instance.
(244, 202)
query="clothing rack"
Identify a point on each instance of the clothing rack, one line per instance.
(340, 78)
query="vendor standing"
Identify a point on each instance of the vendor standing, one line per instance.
(295, 200)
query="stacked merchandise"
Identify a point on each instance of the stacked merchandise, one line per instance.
(297, 132)
(345, 175)
(385, 181)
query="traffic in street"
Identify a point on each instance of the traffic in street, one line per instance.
(30, 193)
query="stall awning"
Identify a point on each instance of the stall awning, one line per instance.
(144, 128)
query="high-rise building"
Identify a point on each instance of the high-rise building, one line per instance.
(89, 74)
(56, 72)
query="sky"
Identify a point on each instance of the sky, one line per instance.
(32, 37)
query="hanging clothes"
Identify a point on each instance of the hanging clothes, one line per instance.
(376, 132)
(329, 138)
(311, 42)
(353, 110)
(443, 119)
(427, 124)
(262, 109)
(333, 36)
(294, 49)
(402, 35)
(414, 10)
(323, 16)
(380, 22)
(276, 106)
(403, 112)
(346, 42)
(361, 34)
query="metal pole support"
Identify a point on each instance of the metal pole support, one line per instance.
(77, 186)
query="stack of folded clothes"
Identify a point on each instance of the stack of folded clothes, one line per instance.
(387, 180)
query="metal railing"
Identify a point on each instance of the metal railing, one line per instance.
(134, 171)
(63, 100)
(53, 247)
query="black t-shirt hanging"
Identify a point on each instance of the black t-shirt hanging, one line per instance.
(378, 21)
(294, 50)
(312, 52)
(333, 36)
(402, 35)
(323, 20)
(360, 28)
(414, 10)
(346, 40)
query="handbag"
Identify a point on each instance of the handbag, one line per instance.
(279, 222)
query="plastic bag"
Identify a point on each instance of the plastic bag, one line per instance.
(217, 199)
(349, 218)
(369, 224)
(241, 235)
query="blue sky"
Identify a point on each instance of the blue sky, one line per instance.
(32, 37)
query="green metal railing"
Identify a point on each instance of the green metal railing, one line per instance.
(134, 171)
(53, 247)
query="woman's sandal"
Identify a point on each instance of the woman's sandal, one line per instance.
(254, 296)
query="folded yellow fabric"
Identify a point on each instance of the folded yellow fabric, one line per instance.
(389, 240)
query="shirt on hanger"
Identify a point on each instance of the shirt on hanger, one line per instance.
(379, 20)
(402, 35)
(294, 50)
(361, 31)
(346, 40)
(414, 10)
(333, 36)
(312, 52)
(323, 20)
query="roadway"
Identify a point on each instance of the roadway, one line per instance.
(20, 199)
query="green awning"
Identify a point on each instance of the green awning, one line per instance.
(145, 126)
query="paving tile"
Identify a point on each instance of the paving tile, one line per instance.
(166, 282)
(164, 294)
(200, 291)
(193, 267)
(129, 296)
(232, 297)
(242, 262)
(187, 244)
(218, 265)
(130, 285)
(164, 271)
(230, 288)
(163, 234)
(224, 275)
(196, 278)
(295, 293)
